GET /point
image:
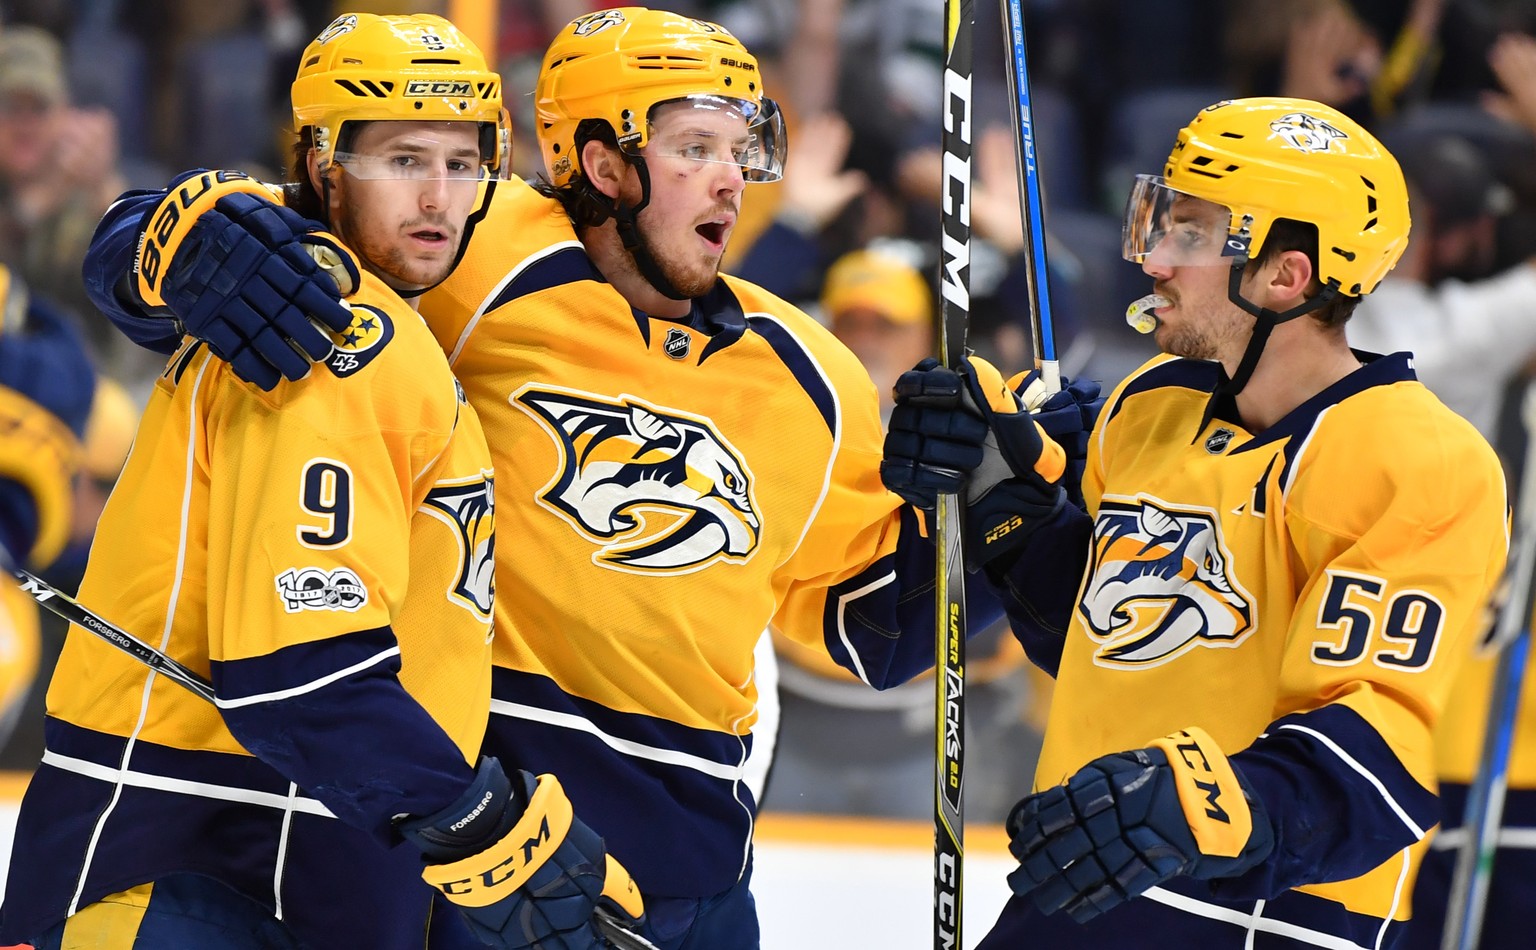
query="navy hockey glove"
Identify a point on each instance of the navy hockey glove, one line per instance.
(524, 871)
(951, 431)
(1126, 822)
(1067, 416)
(246, 275)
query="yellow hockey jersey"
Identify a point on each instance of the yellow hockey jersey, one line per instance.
(323, 554)
(666, 488)
(1306, 594)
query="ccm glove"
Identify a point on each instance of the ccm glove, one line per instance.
(1126, 822)
(251, 278)
(524, 871)
(967, 431)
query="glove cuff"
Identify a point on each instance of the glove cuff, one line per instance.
(479, 816)
(491, 875)
(173, 219)
(1227, 821)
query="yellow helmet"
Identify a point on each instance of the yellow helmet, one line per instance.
(615, 65)
(1272, 157)
(365, 67)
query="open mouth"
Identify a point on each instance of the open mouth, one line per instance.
(429, 236)
(714, 232)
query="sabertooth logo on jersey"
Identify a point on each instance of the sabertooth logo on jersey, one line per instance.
(313, 588)
(658, 491)
(1306, 133)
(468, 507)
(1160, 584)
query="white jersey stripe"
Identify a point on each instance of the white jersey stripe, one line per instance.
(163, 783)
(1418, 833)
(721, 770)
(1252, 922)
(309, 687)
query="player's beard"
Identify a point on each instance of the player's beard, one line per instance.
(690, 273)
(388, 259)
(1205, 336)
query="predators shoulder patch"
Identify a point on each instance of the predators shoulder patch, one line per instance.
(363, 339)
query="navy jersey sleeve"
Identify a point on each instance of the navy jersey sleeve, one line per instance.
(333, 717)
(1038, 587)
(109, 266)
(880, 623)
(1339, 798)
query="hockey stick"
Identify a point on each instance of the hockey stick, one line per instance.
(1468, 899)
(620, 936)
(76, 613)
(949, 591)
(1030, 205)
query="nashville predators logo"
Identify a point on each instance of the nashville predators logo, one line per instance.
(1306, 133)
(594, 23)
(1160, 584)
(340, 25)
(363, 339)
(469, 507)
(657, 491)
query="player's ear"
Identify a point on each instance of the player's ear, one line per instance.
(312, 166)
(604, 167)
(1292, 276)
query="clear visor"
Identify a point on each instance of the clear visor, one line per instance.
(418, 157)
(1168, 227)
(718, 130)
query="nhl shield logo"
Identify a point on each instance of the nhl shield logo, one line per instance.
(677, 343)
(1219, 440)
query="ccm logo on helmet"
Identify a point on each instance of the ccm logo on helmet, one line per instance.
(431, 88)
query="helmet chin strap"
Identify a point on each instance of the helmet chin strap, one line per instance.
(626, 219)
(1265, 321)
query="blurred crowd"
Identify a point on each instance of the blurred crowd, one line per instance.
(97, 96)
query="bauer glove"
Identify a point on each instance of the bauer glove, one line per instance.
(1126, 822)
(967, 431)
(526, 873)
(258, 282)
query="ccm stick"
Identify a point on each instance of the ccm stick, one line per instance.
(949, 626)
(621, 937)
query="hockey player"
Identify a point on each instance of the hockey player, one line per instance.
(1286, 549)
(681, 457)
(322, 553)
(46, 386)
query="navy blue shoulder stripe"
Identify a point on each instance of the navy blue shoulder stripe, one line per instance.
(1299, 422)
(565, 266)
(1198, 375)
(804, 369)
